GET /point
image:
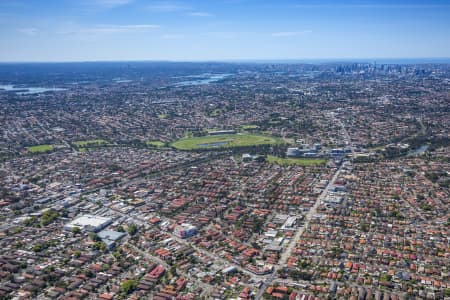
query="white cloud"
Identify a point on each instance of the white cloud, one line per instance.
(111, 29)
(200, 14)
(290, 33)
(121, 28)
(109, 3)
(167, 6)
(138, 26)
(28, 31)
(176, 7)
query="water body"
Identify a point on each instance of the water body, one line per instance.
(202, 79)
(418, 151)
(24, 90)
(79, 82)
(120, 80)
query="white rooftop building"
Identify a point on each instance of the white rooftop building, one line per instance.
(89, 223)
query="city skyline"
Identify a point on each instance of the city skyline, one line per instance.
(225, 30)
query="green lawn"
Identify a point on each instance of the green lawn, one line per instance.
(249, 126)
(91, 143)
(154, 144)
(163, 116)
(40, 148)
(215, 113)
(296, 161)
(377, 148)
(224, 141)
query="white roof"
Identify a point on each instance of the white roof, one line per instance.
(89, 220)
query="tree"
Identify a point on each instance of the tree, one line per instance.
(132, 229)
(426, 206)
(364, 227)
(94, 237)
(76, 230)
(88, 273)
(447, 292)
(128, 286)
(100, 246)
(48, 217)
(38, 248)
(30, 221)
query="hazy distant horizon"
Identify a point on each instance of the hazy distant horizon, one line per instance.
(399, 60)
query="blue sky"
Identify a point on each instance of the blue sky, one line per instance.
(90, 30)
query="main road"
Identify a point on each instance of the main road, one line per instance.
(308, 217)
(300, 230)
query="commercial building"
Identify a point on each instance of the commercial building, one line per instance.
(220, 132)
(89, 223)
(297, 152)
(110, 237)
(185, 230)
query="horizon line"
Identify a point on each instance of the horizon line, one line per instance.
(239, 60)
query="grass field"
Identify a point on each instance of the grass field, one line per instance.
(377, 148)
(249, 127)
(296, 161)
(215, 113)
(91, 143)
(224, 141)
(154, 144)
(40, 148)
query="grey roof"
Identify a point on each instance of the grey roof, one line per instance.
(110, 235)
